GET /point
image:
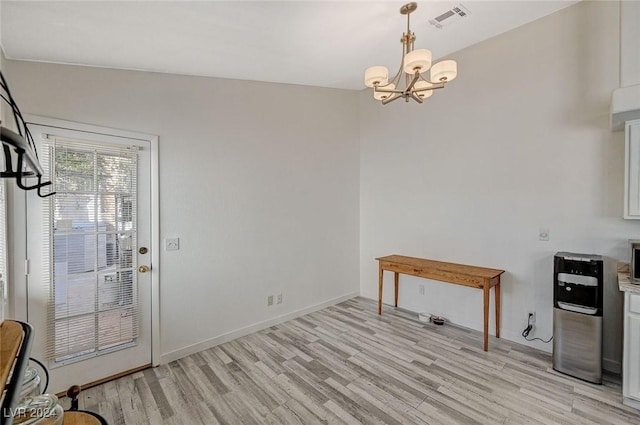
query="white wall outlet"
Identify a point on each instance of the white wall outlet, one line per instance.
(543, 234)
(531, 317)
(279, 299)
(171, 244)
(270, 300)
(421, 289)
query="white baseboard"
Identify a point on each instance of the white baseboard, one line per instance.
(609, 365)
(221, 339)
(631, 403)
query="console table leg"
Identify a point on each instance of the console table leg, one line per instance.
(486, 288)
(497, 295)
(380, 289)
(396, 279)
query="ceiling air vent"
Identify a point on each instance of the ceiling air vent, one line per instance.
(450, 16)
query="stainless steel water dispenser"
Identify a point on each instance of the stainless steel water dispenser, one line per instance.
(577, 315)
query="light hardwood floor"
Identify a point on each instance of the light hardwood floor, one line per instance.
(347, 365)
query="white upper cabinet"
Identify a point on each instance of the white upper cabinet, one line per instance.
(632, 170)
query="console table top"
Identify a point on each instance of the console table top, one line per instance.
(481, 272)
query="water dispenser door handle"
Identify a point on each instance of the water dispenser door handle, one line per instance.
(577, 308)
(577, 279)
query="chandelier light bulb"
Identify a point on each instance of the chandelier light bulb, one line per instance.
(446, 69)
(376, 75)
(417, 60)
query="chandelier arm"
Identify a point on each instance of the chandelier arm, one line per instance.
(391, 99)
(410, 85)
(382, 85)
(415, 97)
(440, 84)
(435, 86)
(383, 90)
(396, 78)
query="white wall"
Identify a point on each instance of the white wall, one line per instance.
(259, 181)
(629, 48)
(518, 142)
(4, 109)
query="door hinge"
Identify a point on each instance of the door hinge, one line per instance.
(26, 267)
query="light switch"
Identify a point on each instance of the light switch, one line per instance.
(172, 244)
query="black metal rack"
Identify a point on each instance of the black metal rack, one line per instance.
(20, 144)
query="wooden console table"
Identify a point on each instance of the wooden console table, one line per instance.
(459, 274)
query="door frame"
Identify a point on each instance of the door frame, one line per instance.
(154, 210)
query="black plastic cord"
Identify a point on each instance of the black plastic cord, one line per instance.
(540, 339)
(527, 331)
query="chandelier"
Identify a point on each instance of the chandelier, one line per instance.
(414, 65)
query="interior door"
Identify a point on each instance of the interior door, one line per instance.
(89, 285)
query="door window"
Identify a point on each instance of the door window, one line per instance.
(90, 244)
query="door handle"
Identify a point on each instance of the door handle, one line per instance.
(143, 269)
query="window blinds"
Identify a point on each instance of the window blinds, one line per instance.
(90, 244)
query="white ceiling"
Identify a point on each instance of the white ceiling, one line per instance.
(315, 43)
